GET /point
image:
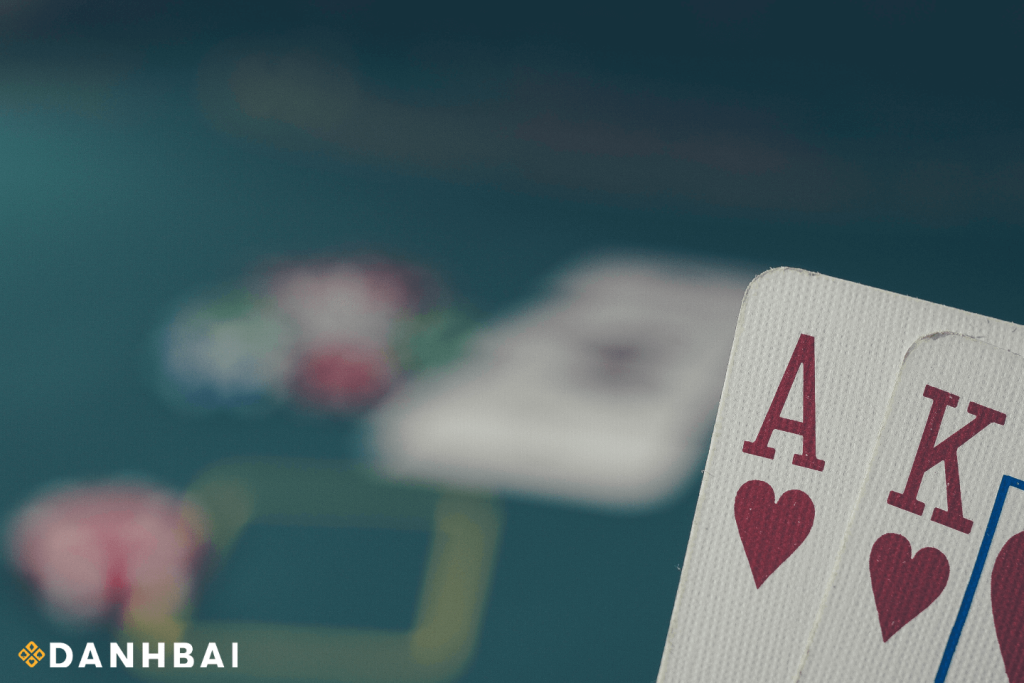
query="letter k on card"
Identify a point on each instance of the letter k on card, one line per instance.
(813, 366)
(954, 427)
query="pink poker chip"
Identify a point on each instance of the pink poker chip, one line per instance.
(342, 302)
(93, 552)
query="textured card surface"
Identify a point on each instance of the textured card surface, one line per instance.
(813, 363)
(954, 430)
(603, 395)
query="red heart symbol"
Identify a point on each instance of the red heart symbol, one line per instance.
(771, 531)
(1008, 605)
(904, 586)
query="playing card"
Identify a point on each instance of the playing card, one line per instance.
(813, 362)
(601, 395)
(953, 430)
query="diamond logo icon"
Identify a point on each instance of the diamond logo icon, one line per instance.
(31, 654)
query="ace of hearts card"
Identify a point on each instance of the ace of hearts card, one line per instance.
(813, 364)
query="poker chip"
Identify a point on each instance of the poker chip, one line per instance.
(233, 352)
(90, 552)
(343, 377)
(342, 302)
(334, 336)
(348, 316)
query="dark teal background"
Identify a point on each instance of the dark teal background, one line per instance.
(110, 215)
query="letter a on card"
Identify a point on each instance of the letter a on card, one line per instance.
(813, 365)
(803, 357)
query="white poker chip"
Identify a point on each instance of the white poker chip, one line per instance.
(342, 302)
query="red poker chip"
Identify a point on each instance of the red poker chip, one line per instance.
(343, 377)
(93, 552)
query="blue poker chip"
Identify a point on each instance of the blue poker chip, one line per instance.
(232, 352)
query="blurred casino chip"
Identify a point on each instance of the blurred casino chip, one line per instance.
(92, 552)
(344, 315)
(334, 336)
(232, 351)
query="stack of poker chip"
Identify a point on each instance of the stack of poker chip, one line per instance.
(95, 552)
(334, 336)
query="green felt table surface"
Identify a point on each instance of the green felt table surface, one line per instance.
(111, 215)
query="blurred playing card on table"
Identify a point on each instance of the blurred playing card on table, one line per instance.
(601, 395)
